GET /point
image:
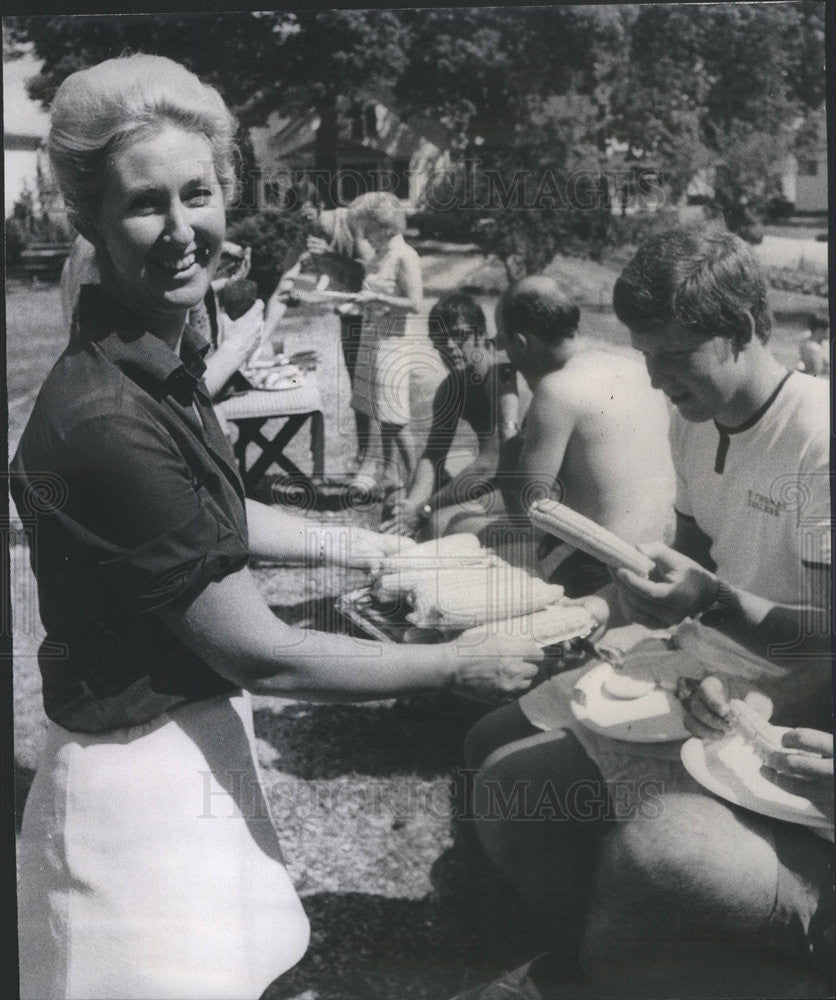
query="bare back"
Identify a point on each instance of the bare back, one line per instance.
(599, 430)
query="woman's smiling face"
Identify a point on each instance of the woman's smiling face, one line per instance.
(161, 224)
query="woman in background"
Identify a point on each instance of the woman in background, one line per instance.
(392, 300)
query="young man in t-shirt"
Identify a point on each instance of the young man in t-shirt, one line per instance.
(750, 602)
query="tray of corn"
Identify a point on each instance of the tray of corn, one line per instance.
(452, 587)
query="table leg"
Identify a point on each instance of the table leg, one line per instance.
(250, 432)
(318, 443)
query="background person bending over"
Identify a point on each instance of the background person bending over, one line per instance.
(815, 347)
(479, 389)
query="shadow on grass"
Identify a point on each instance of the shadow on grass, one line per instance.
(420, 736)
(366, 947)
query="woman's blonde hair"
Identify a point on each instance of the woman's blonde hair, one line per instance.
(97, 110)
(379, 209)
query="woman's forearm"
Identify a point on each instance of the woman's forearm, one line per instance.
(402, 302)
(278, 534)
(229, 626)
(232, 630)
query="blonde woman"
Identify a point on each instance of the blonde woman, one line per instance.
(392, 300)
(149, 864)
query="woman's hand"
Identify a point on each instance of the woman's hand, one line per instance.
(496, 669)
(680, 588)
(358, 548)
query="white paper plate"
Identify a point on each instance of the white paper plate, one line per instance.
(731, 769)
(656, 717)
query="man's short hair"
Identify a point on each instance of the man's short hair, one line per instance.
(699, 277)
(537, 305)
(452, 310)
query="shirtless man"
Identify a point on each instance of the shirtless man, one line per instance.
(595, 435)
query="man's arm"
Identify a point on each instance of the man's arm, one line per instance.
(549, 426)
(795, 636)
(692, 541)
(447, 408)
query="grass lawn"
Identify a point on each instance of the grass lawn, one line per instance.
(402, 905)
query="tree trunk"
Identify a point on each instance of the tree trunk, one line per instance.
(325, 155)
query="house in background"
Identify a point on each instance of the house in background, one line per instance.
(374, 151)
(25, 125)
(804, 179)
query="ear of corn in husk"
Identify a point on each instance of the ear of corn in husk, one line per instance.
(451, 551)
(558, 519)
(553, 624)
(474, 595)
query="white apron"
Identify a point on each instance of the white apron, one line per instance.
(150, 868)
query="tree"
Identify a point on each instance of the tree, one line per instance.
(260, 61)
(722, 84)
(665, 88)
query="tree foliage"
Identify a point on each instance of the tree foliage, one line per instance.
(667, 87)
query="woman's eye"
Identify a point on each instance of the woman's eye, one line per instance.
(200, 197)
(145, 205)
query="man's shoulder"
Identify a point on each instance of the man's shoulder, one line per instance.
(808, 393)
(596, 375)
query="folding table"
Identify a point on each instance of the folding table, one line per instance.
(252, 411)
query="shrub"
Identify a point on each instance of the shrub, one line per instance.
(455, 225)
(277, 238)
(779, 208)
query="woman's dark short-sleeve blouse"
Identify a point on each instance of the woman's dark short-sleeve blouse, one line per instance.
(129, 492)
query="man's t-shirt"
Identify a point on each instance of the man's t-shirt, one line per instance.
(765, 504)
(761, 492)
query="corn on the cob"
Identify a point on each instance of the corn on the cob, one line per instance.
(439, 553)
(557, 519)
(475, 595)
(555, 623)
(390, 587)
(760, 734)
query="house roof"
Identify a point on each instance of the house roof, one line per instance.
(288, 140)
